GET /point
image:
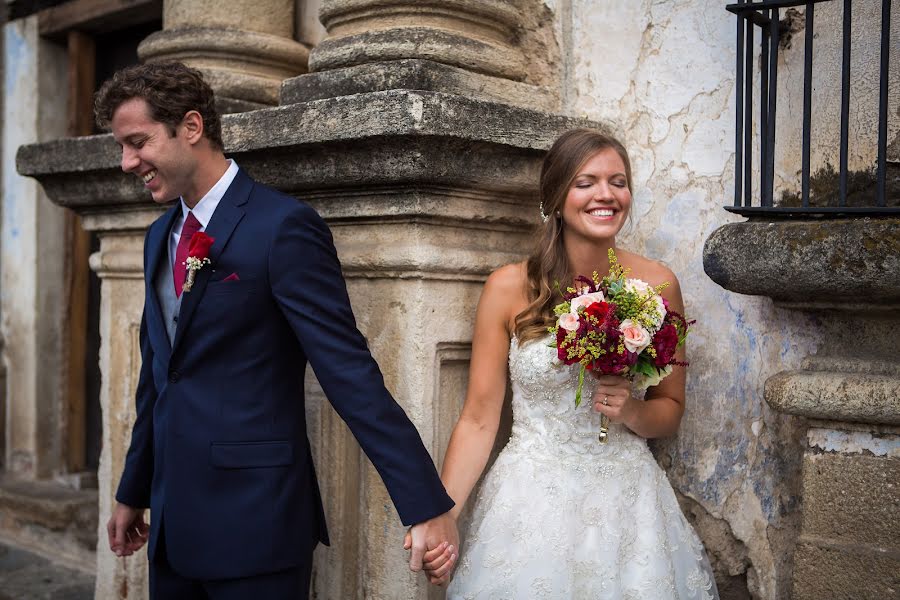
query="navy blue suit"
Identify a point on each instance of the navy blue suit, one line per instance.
(219, 449)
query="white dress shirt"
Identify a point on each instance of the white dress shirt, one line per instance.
(204, 209)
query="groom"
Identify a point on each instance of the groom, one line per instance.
(219, 449)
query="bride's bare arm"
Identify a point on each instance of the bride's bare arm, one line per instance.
(474, 433)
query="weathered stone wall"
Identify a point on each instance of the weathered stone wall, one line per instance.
(32, 257)
(663, 74)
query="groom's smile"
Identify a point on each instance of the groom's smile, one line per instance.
(154, 152)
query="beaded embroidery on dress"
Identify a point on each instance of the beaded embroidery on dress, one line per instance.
(560, 515)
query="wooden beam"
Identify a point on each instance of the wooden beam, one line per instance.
(82, 61)
(96, 16)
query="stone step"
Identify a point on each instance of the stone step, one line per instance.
(27, 576)
(50, 519)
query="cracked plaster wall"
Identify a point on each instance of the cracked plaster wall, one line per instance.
(663, 73)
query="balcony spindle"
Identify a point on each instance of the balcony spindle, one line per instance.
(748, 117)
(883, 99)
(845, 101)
(773, 100)
(739, 113)
(807, 99)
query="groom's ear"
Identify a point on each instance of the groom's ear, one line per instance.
(192, 126)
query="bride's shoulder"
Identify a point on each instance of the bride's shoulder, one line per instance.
(509, 278)
(505, 289)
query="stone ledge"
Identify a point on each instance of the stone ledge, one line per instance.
(826, 263)
(855, 397)
(51, 519)
(396, 138)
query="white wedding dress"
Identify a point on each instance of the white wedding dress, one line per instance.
(560, 515)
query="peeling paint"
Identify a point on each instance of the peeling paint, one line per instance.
(853, 442)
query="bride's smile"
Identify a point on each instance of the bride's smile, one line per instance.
(598, 200)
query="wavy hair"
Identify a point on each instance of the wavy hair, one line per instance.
(548, 263)
(170, 89)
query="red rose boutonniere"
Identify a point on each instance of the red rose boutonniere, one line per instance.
(198, 253)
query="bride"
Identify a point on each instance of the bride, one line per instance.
(560, 515)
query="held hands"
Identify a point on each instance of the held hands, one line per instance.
(127, 530)
(613, 399)
(434, 544)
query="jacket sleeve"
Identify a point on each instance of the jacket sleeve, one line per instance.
(307, 283)
(137, 475)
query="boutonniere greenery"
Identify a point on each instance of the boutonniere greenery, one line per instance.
(198, 255)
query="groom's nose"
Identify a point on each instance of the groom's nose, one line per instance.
(130, 159)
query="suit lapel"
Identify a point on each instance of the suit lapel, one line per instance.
(157, 254)
(225, 218)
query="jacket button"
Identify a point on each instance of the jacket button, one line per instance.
(173, 376)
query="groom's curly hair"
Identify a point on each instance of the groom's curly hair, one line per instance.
(171, 90)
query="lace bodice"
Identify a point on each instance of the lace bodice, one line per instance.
(545, 419)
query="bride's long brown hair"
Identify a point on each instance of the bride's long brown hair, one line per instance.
(548, 262)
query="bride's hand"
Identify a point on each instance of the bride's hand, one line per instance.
(437, 563)
(613, 398)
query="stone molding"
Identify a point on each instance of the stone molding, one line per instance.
(118, 265)
(415, 74)
(854, 397)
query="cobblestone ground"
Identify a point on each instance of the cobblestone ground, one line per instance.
(25, 576)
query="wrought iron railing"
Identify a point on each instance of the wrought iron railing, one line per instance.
(765, 15)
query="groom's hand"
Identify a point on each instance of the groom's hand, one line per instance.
(434, 545)
(127, 530)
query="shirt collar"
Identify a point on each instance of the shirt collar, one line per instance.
(205, 208)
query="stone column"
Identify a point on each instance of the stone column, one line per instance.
(245, 49)
(119, 265)
(847, 274)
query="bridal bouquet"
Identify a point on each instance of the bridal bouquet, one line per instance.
(618, 326)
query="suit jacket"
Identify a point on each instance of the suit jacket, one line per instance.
(219, 449)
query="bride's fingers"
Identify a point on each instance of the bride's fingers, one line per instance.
(438, 560)
(435, 552)
(441, 575)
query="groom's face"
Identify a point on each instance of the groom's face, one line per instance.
(160, 156)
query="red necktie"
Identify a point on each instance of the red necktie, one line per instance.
(179, 270)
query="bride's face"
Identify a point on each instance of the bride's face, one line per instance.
(598, 201)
